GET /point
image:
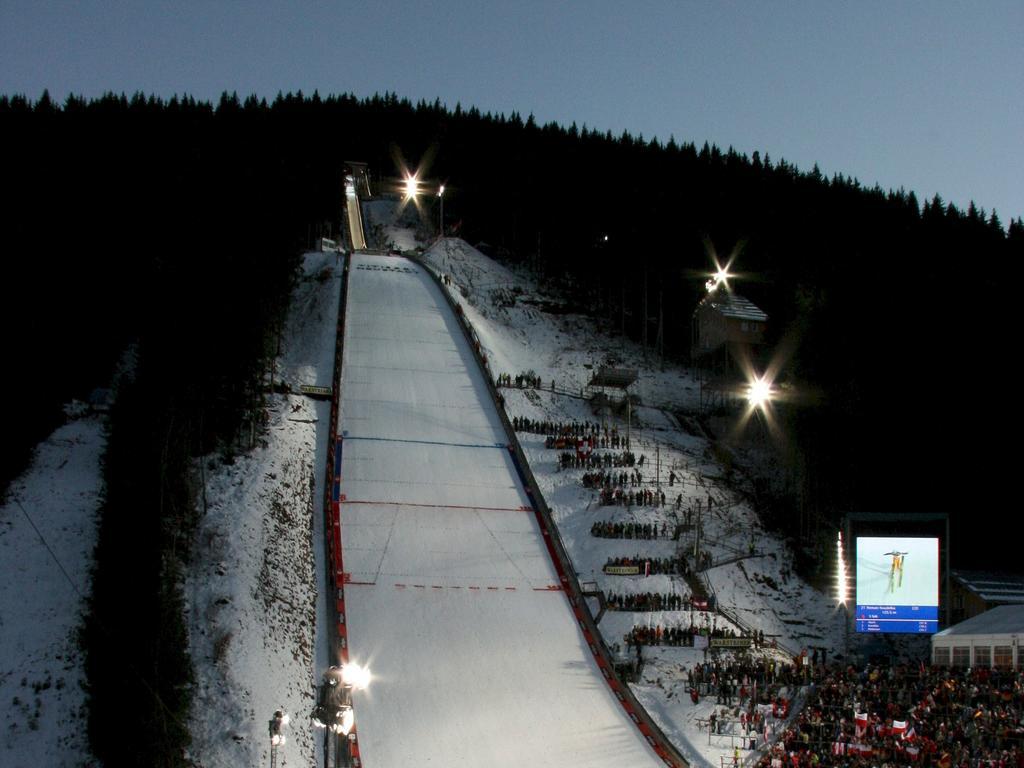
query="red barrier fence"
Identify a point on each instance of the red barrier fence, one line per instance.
(337, 629)
(563, 565)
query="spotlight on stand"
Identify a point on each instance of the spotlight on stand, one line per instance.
(412, 185)
(759, 392)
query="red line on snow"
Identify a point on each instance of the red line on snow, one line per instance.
(400, 585)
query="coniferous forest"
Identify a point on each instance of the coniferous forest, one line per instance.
(175, 226)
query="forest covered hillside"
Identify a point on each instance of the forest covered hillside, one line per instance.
(176, 225)
(892, 310)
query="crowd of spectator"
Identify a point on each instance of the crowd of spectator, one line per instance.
(642, 497)
(604, 479)
(647, 601)
(643, 635)
(676, 635)
(576, 429)
(608, 530)
(525, 380)
(906, 715)
(765, 678)
(578, 460)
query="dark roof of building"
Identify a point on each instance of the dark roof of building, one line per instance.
(733, 305)
(993, 587)
(614, 377)
(1001, 620)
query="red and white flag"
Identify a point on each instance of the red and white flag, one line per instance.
(899, 727)
(910, 734)
(860, 722)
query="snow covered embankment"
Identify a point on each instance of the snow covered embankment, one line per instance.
(252, 588)
(41, 674)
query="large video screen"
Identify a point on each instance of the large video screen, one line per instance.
(897, 584)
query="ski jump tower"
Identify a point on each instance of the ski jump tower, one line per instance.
(357, 186)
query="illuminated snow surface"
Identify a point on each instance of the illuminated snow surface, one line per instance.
(454, 669)
(507, 311)
(476, 662)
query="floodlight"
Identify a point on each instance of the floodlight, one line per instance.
(759, 392)
(355, 676)
(841, 594)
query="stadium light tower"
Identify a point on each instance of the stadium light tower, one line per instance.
(843, 593)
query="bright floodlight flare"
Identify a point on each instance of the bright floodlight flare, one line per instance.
(719, 278)
(411, 186)
(840, 571)
(355, 676)
(759, 392)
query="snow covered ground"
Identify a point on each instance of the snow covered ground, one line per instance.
(475, 661)
(518, 336)
(41, 673)
(452, 599)
(395, 226)
(252, 594)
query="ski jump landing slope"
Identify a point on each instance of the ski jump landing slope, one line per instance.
(451, 596)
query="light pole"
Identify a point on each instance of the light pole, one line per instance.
(334, 710)
(277, 725)
(440, 194)
(842, 594)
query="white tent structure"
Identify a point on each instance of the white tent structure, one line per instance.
(990, 639)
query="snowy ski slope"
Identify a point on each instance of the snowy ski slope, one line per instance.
(476, 661)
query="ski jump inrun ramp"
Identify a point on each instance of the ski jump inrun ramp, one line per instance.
(451, 596)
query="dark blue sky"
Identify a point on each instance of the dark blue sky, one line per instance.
(924, 95)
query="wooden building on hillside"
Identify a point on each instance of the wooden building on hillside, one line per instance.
(727, 329)
(724, 319)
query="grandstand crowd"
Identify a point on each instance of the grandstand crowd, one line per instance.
(906, 715)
